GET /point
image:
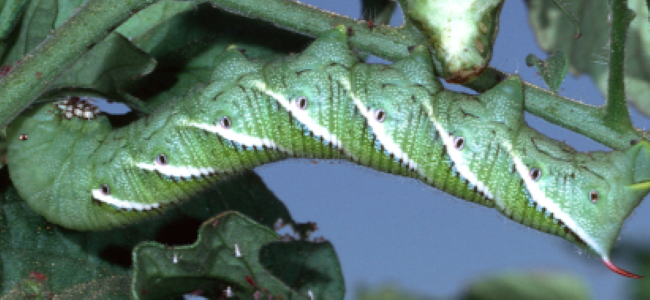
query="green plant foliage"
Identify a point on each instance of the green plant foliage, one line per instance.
(640, 256)
(230, 257)
(9, 14)
(188, 40)
(30, 244)
(107, 68)
(553, 70)
(305, 266)
(589, 54)
(36, 24)
(114, 287)
(526, 285)
(569, 16)
(75, 262)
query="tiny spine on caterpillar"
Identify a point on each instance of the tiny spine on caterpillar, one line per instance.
(79, 172)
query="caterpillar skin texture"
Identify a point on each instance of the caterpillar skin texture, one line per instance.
(325, 103)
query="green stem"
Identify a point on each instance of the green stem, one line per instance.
(376, 12)
(616, 112)
(387, 42)
(60, 50)
(579, 117)
(96, 19)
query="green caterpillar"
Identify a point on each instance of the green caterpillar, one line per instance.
(78, 172)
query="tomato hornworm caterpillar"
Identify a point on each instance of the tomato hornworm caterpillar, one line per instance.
(324, 103)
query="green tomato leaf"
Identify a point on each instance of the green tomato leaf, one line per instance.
(36, 24)
(152, 16)
(10, 13)
(76, 260)
(223, 261)
(306, 267)
(590, 53)
(31, 245)
(114, 287)
(640, 257)
(107, 68)
(553, 70)
(39, 18)
(30, 288)
(186, 45)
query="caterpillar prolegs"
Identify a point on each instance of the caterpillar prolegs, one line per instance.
(324, 103)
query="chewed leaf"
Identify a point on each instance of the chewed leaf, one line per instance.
(108, 68)
(306, 266)
(553, 70)
(225, 261)
(36, 249)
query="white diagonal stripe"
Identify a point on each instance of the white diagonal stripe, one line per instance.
(302, 116)
(121, 204)
(182, 172)
(243, 139)
(378, 129)
(540, 198)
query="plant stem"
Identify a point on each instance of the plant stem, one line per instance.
(579, 117)
(38, 69)
(98, 17)
(616, 113)
(387, 42)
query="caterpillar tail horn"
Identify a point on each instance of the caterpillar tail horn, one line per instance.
(618, 270)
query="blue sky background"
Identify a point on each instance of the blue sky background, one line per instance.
(389, 229)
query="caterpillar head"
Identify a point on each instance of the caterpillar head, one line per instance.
(591, 195)
(541, 183)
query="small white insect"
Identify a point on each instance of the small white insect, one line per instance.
(279, 224)
(311, 295)
(175, 257)
(517, 70)
(237, 252)
(229, 293)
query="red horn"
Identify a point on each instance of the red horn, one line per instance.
(620, 271)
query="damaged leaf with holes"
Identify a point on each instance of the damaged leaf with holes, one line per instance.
(233, 257)
(71, 262)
